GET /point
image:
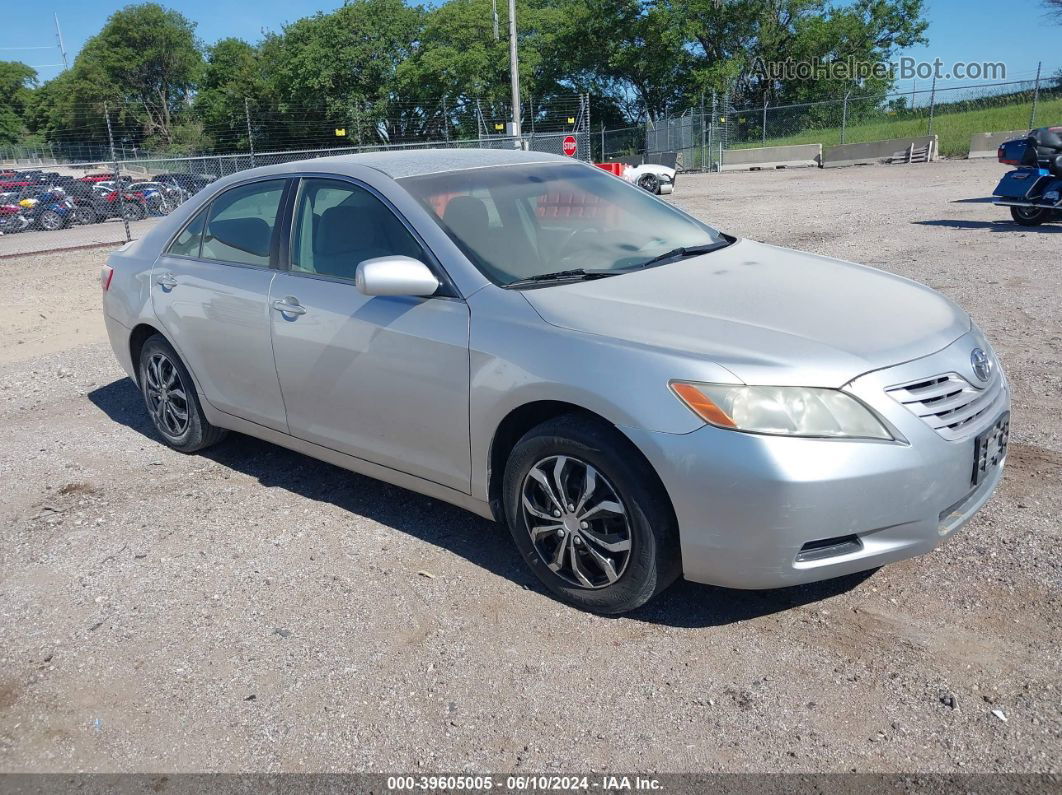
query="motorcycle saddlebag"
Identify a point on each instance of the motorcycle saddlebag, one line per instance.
(1025, 183)
(1052, 193)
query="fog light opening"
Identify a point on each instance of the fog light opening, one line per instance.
(829, 548)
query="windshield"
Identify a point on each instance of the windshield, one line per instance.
(516, 223)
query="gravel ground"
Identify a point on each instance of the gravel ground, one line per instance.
(252, 609)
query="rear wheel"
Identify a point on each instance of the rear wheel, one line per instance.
(1029, 216)
(51, 220)
(171, 400)
(85, 215)
(589, 516)
(132, 211)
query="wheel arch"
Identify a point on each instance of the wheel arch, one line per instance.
(522, 419)
(140, 334)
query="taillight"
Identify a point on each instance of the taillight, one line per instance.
(106, 274)
(112, 196)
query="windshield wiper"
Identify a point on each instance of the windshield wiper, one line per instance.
(573, 275)
(683, 251)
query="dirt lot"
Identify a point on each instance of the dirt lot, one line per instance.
(252, 609)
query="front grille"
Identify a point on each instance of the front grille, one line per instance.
(949, 404)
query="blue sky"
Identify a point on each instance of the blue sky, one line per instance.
(1016, 32)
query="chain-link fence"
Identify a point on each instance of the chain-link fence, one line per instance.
(699, 135)
(114, 198)
(111, 196)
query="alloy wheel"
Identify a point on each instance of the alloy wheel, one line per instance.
(578, 524)
(51, 220)
(166, 396)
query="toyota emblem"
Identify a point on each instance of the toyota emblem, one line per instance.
(982, 365)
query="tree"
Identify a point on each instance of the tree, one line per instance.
(16, 83)
(730, 39)
(143, 64)
(338, 70)
(629, 51)
(232, 83)
(1055, 6)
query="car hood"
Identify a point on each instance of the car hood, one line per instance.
(767, 314)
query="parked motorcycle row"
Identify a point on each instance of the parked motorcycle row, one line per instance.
(51, 201)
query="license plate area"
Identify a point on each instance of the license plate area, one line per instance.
(990, 448)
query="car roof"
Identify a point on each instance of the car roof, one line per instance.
(416, 162)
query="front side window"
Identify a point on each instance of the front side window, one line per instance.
(186, 244)
(338, 225)
(241, 223)
(518, 222)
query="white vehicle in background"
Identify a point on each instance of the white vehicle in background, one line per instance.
(656, 179)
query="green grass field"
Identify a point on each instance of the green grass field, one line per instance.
(954, 129)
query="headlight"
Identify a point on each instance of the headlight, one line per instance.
(781, 410)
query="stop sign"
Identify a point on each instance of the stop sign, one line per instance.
(568, 146)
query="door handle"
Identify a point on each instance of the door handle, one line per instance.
(166, 281)
(289, 306)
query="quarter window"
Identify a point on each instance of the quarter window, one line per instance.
(338, 225)
(241, 223)
(186, 244)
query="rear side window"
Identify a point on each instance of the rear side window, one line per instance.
(241, 222)
(186, 244)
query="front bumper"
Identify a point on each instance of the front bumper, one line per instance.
(759, 511)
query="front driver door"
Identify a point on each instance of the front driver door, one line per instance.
(382, 378)
(209, 290)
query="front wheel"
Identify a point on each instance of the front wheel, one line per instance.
(132, 211)
(649, 182)
(589, 516)
(171, 400)
(1029, 216)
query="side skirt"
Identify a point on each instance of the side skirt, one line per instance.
(349, 462)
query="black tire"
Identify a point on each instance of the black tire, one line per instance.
(649, 182)
(51, 221)
(652, 562)
(132, 211)
(1029, 216)
(195, 433)
(85, 215)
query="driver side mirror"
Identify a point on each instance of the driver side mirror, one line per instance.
(395, 275)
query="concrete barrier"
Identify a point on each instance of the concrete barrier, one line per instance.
(766, 157)
(873, 152)
(986, 144)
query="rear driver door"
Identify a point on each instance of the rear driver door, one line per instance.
(209, 291)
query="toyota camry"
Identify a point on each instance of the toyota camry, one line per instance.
(633, 393)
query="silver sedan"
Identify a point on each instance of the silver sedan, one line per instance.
(634, 393)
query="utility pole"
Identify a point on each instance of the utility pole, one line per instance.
(247, 118)
(59, 39)
(514, 68)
